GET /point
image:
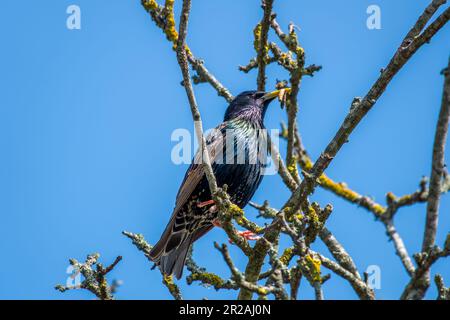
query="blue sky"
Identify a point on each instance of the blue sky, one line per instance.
(86, 118)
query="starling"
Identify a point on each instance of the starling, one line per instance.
(234, 148)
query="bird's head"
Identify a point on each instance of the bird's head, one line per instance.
(250, 105)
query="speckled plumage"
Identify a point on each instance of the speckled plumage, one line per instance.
(240, 168)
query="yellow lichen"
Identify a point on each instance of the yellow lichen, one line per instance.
(168, 281)
(287, 211)
(208, 278)
(338, 188)
(150, 5)
(294, 47)
(170, 30)
(390, 197)
(314, 265)
(307, 164)
(239, 216)
(235, 210)
(314, 225)
(379, 209)
(287, 256)
(257, 37)
(342, 190)
(292, 167)
(257, 41)
(300, 51)
(312, 215)
(262, 291)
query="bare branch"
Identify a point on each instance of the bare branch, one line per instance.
(338, 252)
(360, 110)
(423, 20)
(399, 245)
(265, 211)
(360, 287)
(262, 41)
(357, 113)
(140, 243)
(296, 72)
(443, 292)
(239, 277)
(182, 61)
(163, 18)
(253, 64)
(438, 163)
(94, 279)
(419, 283)
(422, 283)
(206, 278)
(207, 76)
(282, 170)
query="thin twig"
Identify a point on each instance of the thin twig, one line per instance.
(437, 167)
(239, 277)
(354, 117)
(166, 23)
(142, 245)
(437, 173)
(263, 48)
(360, 110)
(443, 292)
(400, 247)
(206, 278)
(94, 278)
(338, 252)
(182, 61)
(418, 285)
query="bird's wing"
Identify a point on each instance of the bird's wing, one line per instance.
(171, 249)
(195, 173)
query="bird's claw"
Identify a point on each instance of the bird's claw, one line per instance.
(248, 235)
(205, 203)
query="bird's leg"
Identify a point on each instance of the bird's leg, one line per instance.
(212, 209)
(205, 203)
(247, 234)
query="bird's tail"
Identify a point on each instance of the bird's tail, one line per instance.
(173, 261)
(171, 250)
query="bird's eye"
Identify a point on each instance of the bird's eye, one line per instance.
(258, 95)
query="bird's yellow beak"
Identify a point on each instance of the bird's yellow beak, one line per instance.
(276, 93)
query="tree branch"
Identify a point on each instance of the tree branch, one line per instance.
(417, 286)
(357, 113)
(142, 245)
(239, 277)
(437, 173)
(360, 110)
(182, 61)
(163, 18)
(262, 50)
(338, 252)
(206, 278)
(438, 163)
(443, 292)
(94, 278)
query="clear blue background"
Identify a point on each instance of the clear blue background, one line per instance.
(86, 119)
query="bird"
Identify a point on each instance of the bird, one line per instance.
(235, 148)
